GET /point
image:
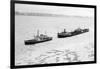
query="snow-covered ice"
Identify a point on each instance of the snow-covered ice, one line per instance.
(78, 48)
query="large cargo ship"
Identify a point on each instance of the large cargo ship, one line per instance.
(39, 38)
(73, 33)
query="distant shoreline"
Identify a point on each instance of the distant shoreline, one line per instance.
(48, 14)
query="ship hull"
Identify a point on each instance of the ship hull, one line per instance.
(30, 42)
(72, 33)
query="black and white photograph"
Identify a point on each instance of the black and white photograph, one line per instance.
(46, 34)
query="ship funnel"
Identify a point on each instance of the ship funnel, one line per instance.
(64, 30)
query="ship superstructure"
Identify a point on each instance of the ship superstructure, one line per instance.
(73, 33)
(39, 38)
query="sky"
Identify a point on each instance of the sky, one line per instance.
(75, 11)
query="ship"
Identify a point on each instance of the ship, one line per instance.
(39, 38)
(73, 33)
